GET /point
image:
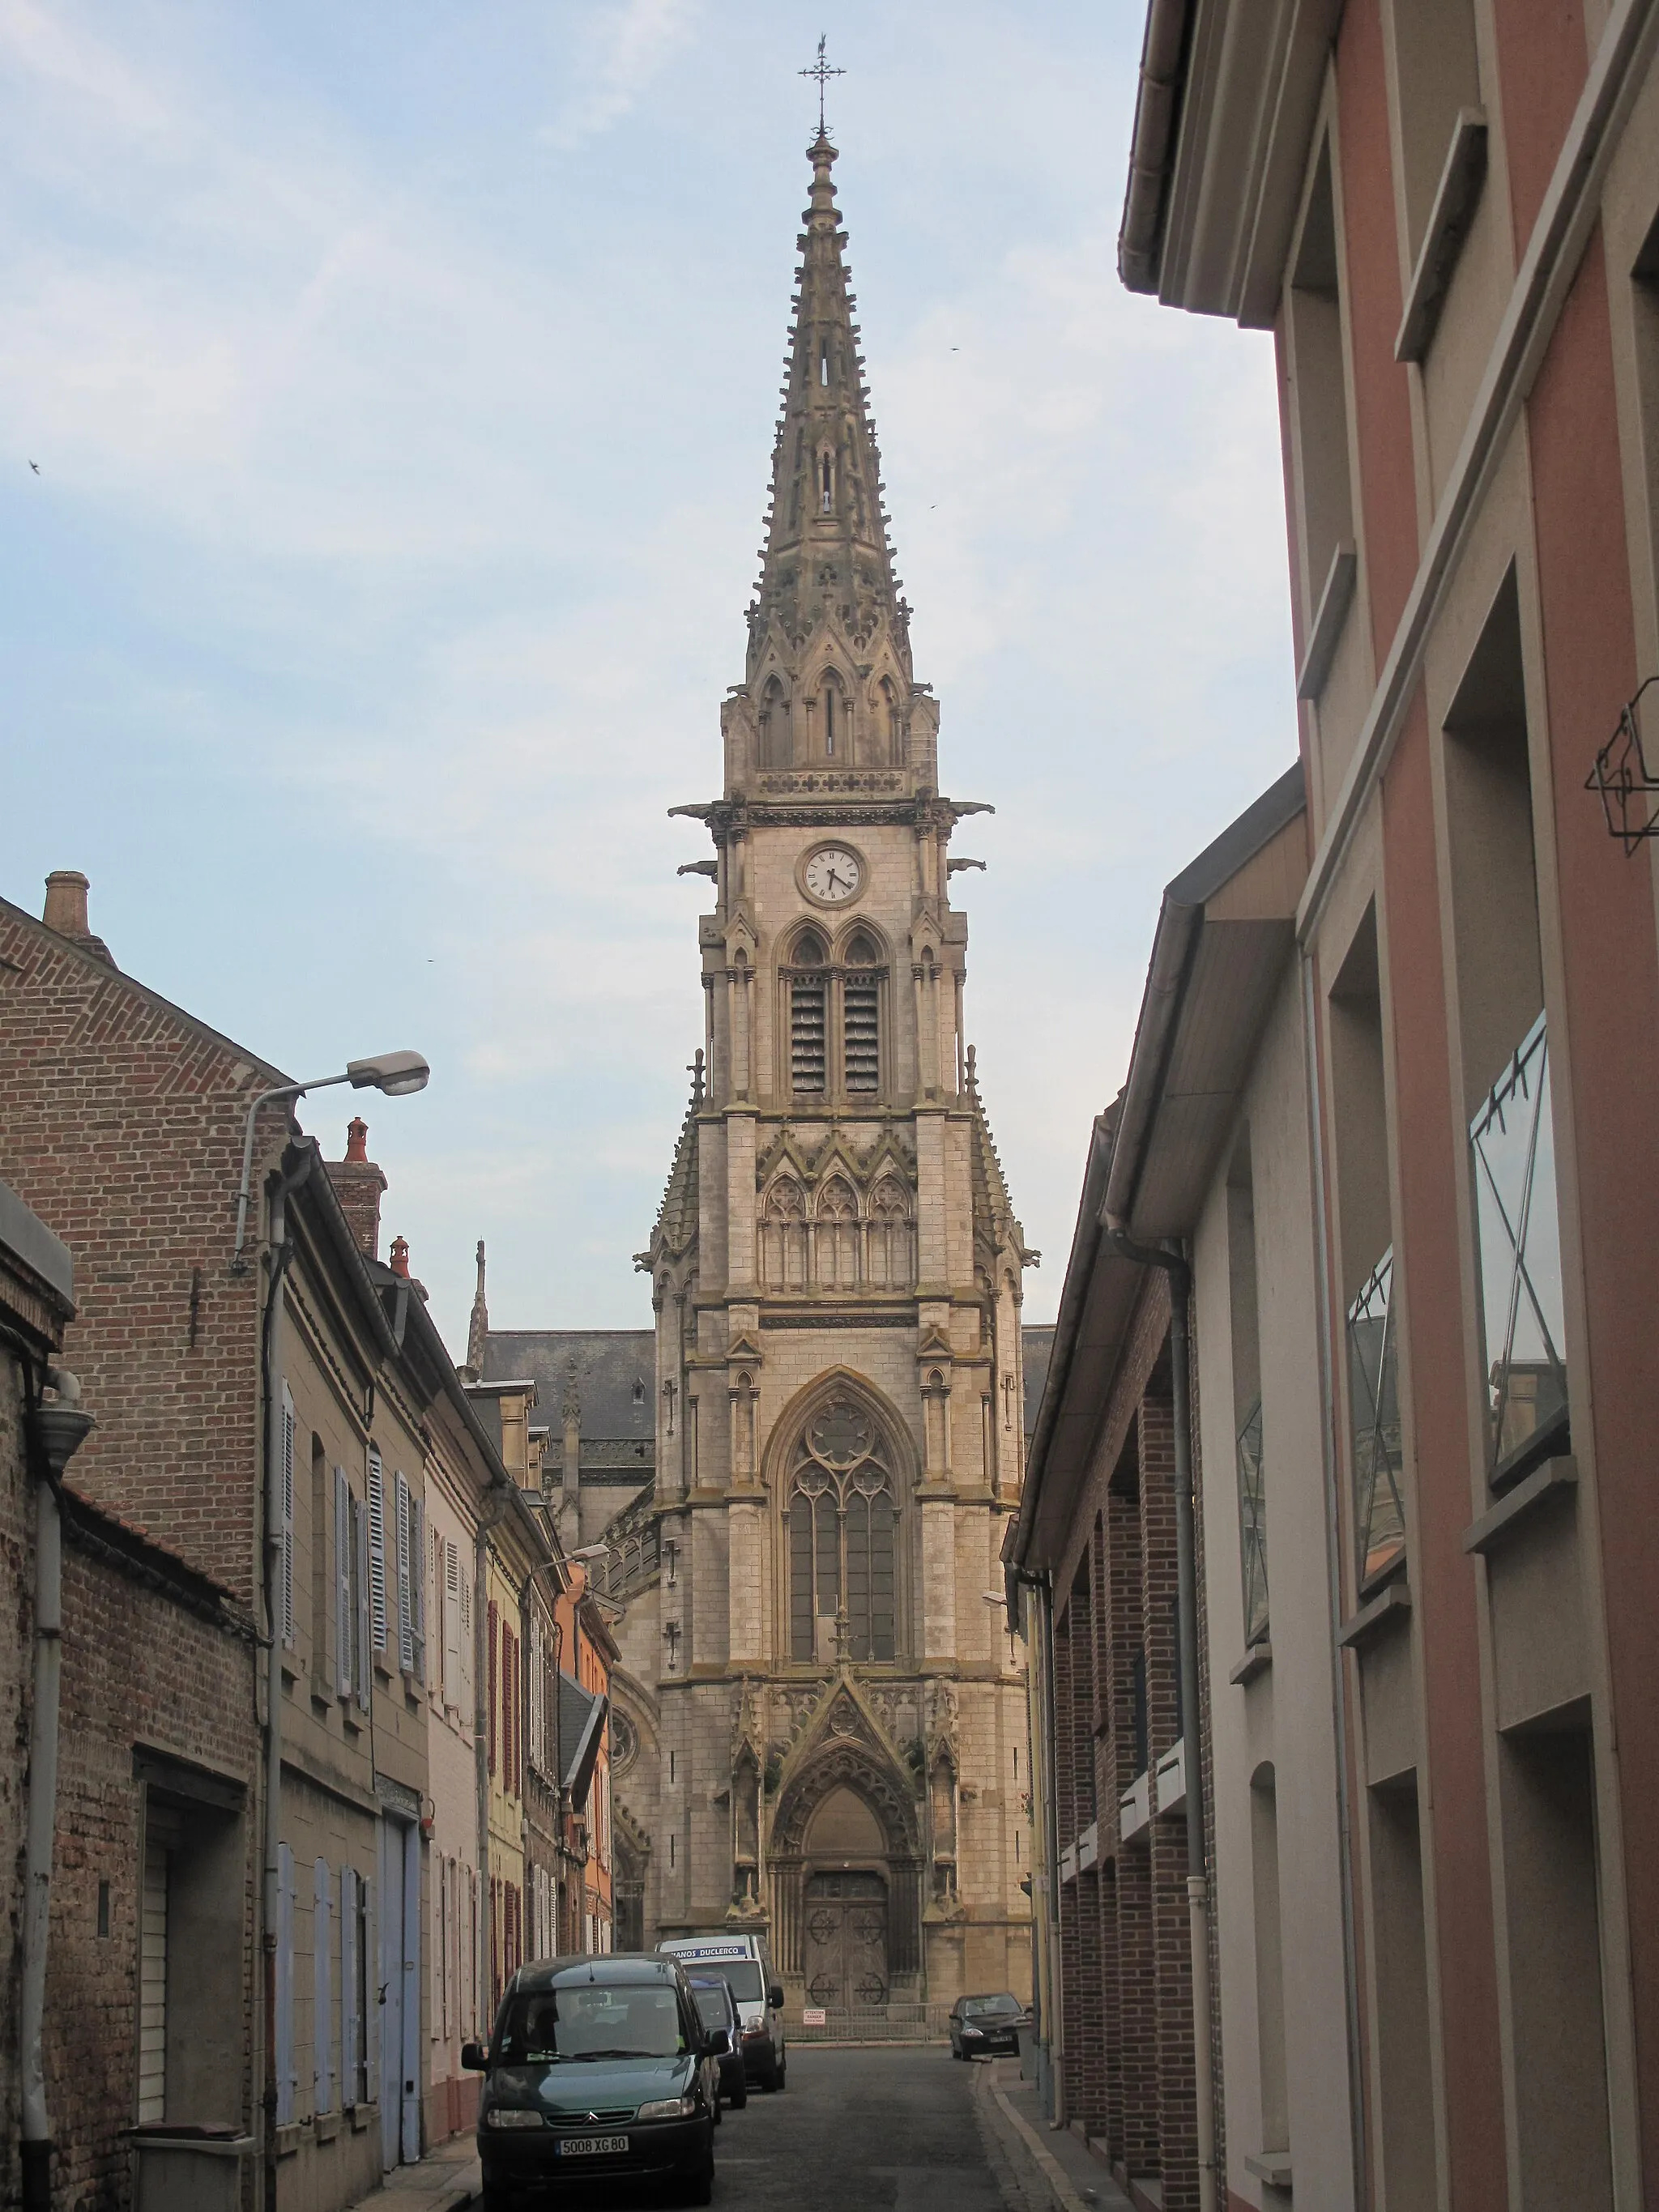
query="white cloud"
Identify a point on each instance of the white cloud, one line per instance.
(620, 50)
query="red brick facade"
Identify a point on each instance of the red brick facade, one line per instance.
(123, 1130)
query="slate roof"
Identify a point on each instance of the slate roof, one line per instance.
(616, 1370)
(1037, 1344)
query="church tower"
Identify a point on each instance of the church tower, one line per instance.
(828, 1717)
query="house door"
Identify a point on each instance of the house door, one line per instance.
(844, 1941)
(400, 1993)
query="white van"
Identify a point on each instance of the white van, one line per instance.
(745, 1964)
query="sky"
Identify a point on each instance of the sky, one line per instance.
(401, 379)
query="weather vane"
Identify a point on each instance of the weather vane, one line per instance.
(822, 72)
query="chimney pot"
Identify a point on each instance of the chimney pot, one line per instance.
(357, 1139)
(400, 1256)
(65, 909)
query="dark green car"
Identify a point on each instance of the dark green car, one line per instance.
(600, 2070)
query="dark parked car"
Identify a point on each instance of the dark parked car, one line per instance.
(719, 2008)
(599, 2070)
(981, 2026)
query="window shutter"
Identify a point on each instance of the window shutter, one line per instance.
(422, 1563)
(344, 1610)
(376, 1548)
(365, 1660)
(285, 1508)
(286, 2077)
(491, 1664)
(536, 1758)
(452, 1605)
(322, 1985)
(351, 2023)
(405, 1622)
(469, 1696)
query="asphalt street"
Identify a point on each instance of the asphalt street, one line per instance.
(875, 2128)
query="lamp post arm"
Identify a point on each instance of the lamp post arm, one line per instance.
(238, 1264)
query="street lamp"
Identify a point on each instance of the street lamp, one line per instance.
(395, 1073)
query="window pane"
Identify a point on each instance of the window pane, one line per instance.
(1253, 1526)
(801, 1577)
(1373, 1393)
(1518, 1228)
(828, 1547)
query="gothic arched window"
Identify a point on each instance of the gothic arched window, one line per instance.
(861, 1016)
(837, 1237)
(890, 721)
(783, 1236)
(827, 481)
(890, 1248)
(777, 750)
(835, 719)
(809, 1007)
(840, 1538)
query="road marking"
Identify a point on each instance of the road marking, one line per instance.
(1053, 2172)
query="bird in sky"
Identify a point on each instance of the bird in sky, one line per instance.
(35, 465)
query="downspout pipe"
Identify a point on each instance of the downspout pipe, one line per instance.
(1198, 1883)
(54, 1433)
(281, 1258)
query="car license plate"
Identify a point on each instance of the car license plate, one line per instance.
(592, 2146)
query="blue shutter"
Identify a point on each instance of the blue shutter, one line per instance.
(287, 2076)
(352, 2026)
(322, 1988)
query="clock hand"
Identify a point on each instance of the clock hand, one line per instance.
(835, 883)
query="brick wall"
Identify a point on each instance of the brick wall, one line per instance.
(1125, 1952)
(123, 1130)
(139, 1670)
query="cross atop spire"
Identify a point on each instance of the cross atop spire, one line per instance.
(823, 72)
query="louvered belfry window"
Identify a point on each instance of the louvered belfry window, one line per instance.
(809, 993)
(863, 1033)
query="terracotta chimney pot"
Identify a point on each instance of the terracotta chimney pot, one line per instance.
(357, 1139)
(400, 1256)
(66, 902)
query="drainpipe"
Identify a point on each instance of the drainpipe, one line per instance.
(281, 1256)
(1198, 1884)
(54, 1433)
(495, 1505)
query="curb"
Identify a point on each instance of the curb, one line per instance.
(1052, 2173)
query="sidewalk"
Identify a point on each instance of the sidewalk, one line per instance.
(1076, 2181)
(445, 2179)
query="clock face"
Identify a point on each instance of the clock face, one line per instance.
(833, 875)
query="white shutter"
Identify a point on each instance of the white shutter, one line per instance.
(287, 2075)
(364, 1656)
(352, 2026)
(322, 1988)
(376, 1548)
(405, 1620)
(285, 1510)
(452, 1605)
(345, 1612)
(421, 1564)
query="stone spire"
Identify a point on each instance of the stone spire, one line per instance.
(827, 554)
(478, 1327)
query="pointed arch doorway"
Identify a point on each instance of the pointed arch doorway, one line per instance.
(846, 1961)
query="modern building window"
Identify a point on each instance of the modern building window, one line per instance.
(1504, 1040)
(1373, 1408)
(1319, 388)
(1437, 74)
(1512, 1139)
(1376, 1436)
(1247, 1391)
(840, 1540)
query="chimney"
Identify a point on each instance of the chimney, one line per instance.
(400, 1256)
(358, 1184)
(65, 911)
